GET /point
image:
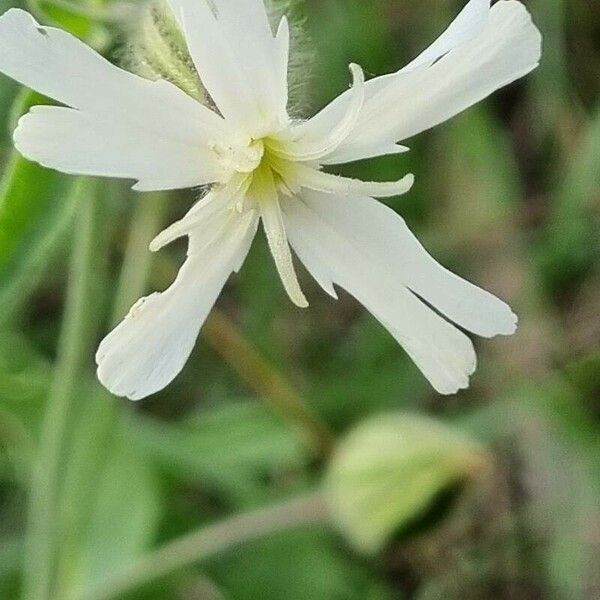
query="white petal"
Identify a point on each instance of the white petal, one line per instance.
(301, 176)
(240, 62)
(443, 353)
(383, 237)
(483, 50)
(282, 54)
(151, 345)
(301, 148)
(83, 143)
(349, 154)
(264, 58)
(320, 126)
(58, 65)
(129, 126)
(507, 48)
(266, 196)
(467, 25)
(204, 213)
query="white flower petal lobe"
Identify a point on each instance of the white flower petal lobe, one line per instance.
(506, 49)
(443, 353)
(148, 349)
(124, 125)
(239, 61)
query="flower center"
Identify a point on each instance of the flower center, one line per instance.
(239, 159)
(257, 164)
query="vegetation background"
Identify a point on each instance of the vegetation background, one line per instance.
(207, 490)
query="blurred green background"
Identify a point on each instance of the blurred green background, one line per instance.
(207, 490)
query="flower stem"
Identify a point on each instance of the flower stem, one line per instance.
(262, 377)
(77, 336)
(209, 541)
(145, 224)
(103, 413)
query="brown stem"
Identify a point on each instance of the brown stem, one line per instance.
(262, 377)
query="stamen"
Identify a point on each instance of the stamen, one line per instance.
(239, 159)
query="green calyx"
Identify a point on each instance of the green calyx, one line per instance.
(158, 51)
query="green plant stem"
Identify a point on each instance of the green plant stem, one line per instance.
(77, 336)
(262, 377)
(102, 416)
(137, 263)
(209, 541)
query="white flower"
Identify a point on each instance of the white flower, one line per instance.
(264, 166)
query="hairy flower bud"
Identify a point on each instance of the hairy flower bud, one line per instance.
(157, 50)
(388, 471)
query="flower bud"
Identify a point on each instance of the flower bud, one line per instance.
(388, 471)
(157, 50)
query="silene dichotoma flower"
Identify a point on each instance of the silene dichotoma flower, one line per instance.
(261, 166)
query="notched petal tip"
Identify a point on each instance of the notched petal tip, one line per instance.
(496, 318)
(358, 75)
(511, 324)
(283, 29)
(116, 354)
(457, 378)
(300, 301)
(453, 389)
(408, 181)
(168, 235)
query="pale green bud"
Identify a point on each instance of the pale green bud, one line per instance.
(157, 50)
(388, 471)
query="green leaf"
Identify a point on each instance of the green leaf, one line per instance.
(24, 383)
(24, 373)
(361, 371)
(110, 499)
(36, 208)
(125, 513)
(488, 190)
(11, 557)
(387, 473)
(571, 243)
(301, 565)
(584, 374)
(234, 449)
(550, 83)
(82, 18)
